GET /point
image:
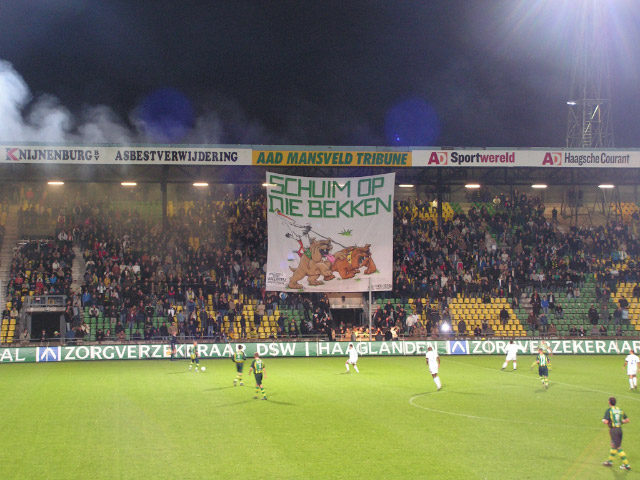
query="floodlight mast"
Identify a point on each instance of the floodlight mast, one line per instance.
(589, 124)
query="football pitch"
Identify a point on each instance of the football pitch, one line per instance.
(155, 419)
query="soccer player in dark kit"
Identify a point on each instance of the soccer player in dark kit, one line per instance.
(257, 366)
(614, 417)
(238, 358)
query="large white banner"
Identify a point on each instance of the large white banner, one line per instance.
(330, 234)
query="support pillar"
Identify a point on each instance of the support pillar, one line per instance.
(163, 189)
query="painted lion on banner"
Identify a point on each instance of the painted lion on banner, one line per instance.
(313, 264)
(350, 260)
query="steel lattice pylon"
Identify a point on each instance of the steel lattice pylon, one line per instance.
(589, 102)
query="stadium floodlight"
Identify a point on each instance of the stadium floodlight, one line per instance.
(55, 182)
(539, 185)
(128, 184)
(572, 102)
(445, 327)
(268, 185)
(472, 186)
(405, 185)
(200, 184)
(606, 186)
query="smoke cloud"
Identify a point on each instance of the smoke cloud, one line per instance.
(44, 119)
(221, 120)
(26, 118)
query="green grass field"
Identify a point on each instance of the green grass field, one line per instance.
(156, 420)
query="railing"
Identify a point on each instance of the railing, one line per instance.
(44, 303)
(29, 342)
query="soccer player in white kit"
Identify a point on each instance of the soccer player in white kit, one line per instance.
(631, 362)
(433, 362)
(512, 355)
(353, 358)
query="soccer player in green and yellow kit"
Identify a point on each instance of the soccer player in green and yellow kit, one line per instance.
(195, 357)
(614, 417)
(239, 358)
(257, 366)
(543, 367)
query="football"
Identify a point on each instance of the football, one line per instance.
(203, 368)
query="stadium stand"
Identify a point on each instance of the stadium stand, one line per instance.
(493, 268)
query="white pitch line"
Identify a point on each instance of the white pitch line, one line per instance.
(559, 383)
(504, 420)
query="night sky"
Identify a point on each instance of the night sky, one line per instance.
(463, 73)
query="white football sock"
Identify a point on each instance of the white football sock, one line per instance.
(438, 383)
(355, 367)
(635, 381)
(514, 365)
(504, 365)
(347, 365)
(630, 382)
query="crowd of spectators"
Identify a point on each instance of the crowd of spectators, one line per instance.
(40, 268)
(216, 249)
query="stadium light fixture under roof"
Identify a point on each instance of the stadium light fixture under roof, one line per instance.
(200, 184)
(268, 185)
(571, 102)
(606, 185)
(55, 182)
(405, 185)
(128, 184)
(539, 185)
(472, 185)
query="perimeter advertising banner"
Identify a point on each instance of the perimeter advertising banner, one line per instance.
(315, 156)
(330, 234)
(331, 158)
(47, 354)
(126, 155)
(496, 157)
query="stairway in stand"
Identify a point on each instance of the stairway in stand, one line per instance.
(78, 267)
(9, 243)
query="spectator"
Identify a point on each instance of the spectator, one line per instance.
(544, 322)
(545, 304)
(462, 327)
(485, 327)
(617, 316)
(504, 316)
(624, 303)
(164, 331)
(412, 320)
